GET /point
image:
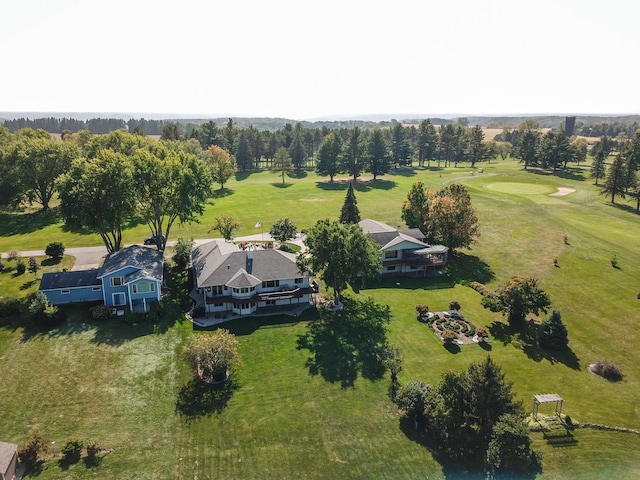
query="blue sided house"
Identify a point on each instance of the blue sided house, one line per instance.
(131, 277)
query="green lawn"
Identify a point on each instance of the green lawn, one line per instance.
(125, 385)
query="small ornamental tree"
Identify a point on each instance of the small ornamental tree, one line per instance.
(422, 310)
(283, 230)
(226, 224)
(552, 332)
(55, 250)
(182, 252)
(34, 266)
(21, 267)
(29, 452)
(392, 359)
(454, 305)
(211, 356)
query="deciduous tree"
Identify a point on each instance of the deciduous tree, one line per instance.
(451, 219)
(517, 298)
(221, 164)
(211, 355)
(415, 207)
(171, 184)
(342, 254)
(99, 195)
(226, 225)
(283, 230)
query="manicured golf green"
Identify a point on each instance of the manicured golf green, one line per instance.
(125, 385)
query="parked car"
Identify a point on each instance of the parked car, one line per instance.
(152, 240)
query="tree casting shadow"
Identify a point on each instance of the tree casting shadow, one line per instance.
(200, 399)
(347, 342)
(525, 337)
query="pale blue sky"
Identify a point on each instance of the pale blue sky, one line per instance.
(303, 60)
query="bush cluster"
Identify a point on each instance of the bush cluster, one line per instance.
(481, 288)
(607, 369)
(100, 312)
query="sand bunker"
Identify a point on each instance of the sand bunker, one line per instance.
(562, 191)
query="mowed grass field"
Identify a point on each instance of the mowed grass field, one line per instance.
(125, 385)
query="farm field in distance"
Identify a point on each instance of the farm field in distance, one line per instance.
(125, 385)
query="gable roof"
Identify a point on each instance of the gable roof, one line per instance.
(387, 236)
(148, 261)
(74, 279)
(220, 263)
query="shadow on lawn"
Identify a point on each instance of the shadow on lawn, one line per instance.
(464, 268)
(524, 337)
(347, 342)
(22, 223)
(360, 186)
(199, 399)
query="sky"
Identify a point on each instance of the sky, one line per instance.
(309, 60)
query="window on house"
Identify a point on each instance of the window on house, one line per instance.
(391, 254)
(143, 287)
(116, 281)
(65, 292)
(217, 289)
(299, 280)
(218, 304)
(270, 302)
(270, 283)
(96, 289)
(391, 269)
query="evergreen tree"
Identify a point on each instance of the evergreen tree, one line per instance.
(427, 142)
(328, 159)
(597, 166)
(477, 149)
(527, 147)
(400, 145)
(510, 451)
(350, 212)
(352, 155)
(615, 182)
(297, 152)
(243, 153)
(378, 155)
(552, 332)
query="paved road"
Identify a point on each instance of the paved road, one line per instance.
(91, 257)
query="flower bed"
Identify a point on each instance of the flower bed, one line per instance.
(464, 329)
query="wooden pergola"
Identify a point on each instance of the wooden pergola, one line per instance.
(547, 398)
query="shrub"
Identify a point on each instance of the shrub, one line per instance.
(481, 288)
(34, 266)
(38, 303)
(482, 333)
(454, 305)
(422, 310)
(286, 248)
(93, 449)
(29, 452)
(21, 267)
(100, 312)
(72, 451)
(54, 250)
(12, 255)
(9, 307)
(607, 369)
(449, 336)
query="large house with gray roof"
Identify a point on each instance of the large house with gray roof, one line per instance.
(131, 277)
(404, 252)
(244, 282)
